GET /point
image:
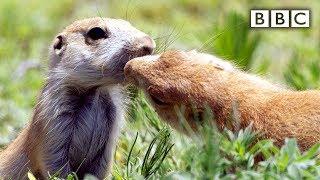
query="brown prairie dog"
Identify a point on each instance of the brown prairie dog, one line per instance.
(81, 106)
(177, 78)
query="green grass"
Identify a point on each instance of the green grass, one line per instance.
(213, 154)
(148, 148)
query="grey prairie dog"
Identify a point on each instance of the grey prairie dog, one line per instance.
(80, 109)
(177, 78)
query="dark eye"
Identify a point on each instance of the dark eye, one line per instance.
(158, 101)
(96, 33)
(199, 116)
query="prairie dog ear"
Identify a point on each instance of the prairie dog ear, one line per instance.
(59, 44)
(56, 50)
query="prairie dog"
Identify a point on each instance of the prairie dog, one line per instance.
(81, 106)
(177, 78)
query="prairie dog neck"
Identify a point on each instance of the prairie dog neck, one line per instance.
(90, 120)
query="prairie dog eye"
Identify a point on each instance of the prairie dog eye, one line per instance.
(158, 101)
(199, 116)
(97, 33)
(154, 96)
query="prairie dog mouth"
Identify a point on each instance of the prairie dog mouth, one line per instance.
(141, 47)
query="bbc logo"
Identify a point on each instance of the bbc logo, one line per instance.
(279, 18)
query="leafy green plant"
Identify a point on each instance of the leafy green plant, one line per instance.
(149, 164)
(303, 74)
(152, 162)
(228, 154)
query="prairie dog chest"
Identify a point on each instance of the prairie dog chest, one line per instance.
(97, 123)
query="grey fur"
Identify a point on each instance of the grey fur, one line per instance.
(79, 111)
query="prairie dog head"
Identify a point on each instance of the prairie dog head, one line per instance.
(94, 51)
(176, 78)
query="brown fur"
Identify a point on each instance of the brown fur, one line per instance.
(177, 78)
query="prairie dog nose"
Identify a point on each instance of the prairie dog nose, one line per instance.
(144, 46)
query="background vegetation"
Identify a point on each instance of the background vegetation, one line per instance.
(147, 148)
